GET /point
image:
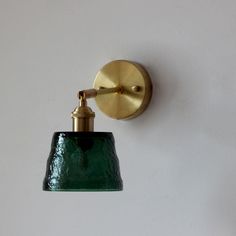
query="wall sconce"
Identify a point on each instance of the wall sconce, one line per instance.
(84, 160)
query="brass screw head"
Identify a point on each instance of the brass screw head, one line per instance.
(136, 88)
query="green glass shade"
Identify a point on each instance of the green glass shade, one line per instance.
(82, 161)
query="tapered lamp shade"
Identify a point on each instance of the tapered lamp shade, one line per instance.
(82, 161)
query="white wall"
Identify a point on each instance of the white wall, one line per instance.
(178, 160)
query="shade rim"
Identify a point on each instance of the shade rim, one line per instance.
(85, 190)
(95, 132)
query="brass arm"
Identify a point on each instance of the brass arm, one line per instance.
(91, 93)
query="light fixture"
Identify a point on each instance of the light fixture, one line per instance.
(84, 160)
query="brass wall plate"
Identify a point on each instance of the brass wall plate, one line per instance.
(135, 94)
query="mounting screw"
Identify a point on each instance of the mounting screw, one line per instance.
(136, 88)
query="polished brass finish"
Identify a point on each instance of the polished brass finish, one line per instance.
(122, 90)
(91, 93)
(132, 89)
(103, 91)
(83, 117)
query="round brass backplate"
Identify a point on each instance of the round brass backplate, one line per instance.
(135, 93)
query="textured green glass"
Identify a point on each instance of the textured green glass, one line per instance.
(82, 161)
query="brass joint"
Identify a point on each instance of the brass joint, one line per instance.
(88, 93)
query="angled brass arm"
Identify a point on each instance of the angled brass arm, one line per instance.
(92, 93)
